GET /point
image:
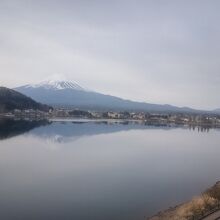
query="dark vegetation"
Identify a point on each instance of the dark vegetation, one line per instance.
(80, 113)
(10, 100)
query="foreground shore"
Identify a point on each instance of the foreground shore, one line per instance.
(196, 209)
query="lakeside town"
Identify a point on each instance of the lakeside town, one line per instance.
(203, 119)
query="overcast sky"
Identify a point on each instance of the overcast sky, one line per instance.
(158, 51)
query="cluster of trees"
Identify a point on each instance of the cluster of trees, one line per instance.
(80, 113)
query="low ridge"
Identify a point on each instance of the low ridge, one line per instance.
(10, 100)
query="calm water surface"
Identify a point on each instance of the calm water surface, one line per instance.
(101, 171)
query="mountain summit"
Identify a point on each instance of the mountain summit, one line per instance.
(55, 85)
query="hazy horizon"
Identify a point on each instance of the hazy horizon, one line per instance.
(151, 51)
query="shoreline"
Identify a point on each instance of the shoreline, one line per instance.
(197, 208)
(112, 120)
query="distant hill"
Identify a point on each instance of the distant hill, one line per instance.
(217, 110)
(70, 94)
(10, 100)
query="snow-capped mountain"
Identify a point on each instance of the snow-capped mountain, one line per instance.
(55, 85)
(59, 92)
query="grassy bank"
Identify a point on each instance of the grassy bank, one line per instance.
(198, 207)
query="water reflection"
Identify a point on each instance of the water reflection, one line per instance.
(10, 128)
(201, 128)
(66, 131)
(114, 171)
(61, 132)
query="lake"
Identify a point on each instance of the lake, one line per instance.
(102, 170)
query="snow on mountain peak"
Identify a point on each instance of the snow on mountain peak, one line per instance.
(56, 85)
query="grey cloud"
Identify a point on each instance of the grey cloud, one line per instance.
(166, 51)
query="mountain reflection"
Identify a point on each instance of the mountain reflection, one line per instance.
(67, 131)
(10, 128)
